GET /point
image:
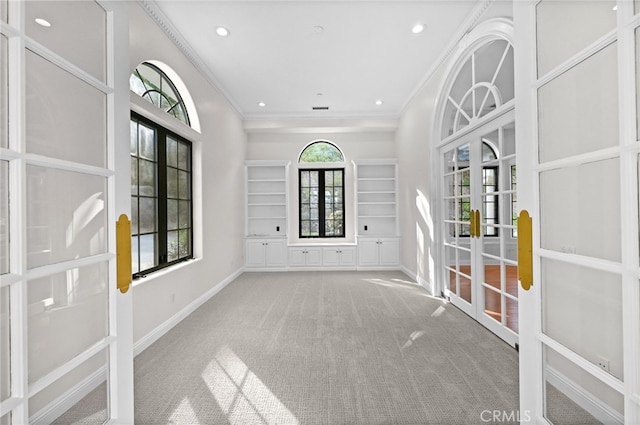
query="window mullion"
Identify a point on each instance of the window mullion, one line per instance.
(162, 196)
(321, 205)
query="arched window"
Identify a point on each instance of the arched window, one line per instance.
(161, 177)
(483, 83)
(321, 151)
(153, 85)
(321, 192)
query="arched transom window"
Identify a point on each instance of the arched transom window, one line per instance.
(483, 83)
(153, 85)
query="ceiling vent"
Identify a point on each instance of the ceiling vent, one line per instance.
(320, 108)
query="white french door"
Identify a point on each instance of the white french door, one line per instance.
(479, 233)
(64, 179)
(578, 153)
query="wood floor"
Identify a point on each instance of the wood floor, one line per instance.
(492, 297)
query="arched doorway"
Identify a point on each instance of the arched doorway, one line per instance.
(477, 182)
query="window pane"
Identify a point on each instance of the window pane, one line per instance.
(64, 224)
(148, 252)
(184, 243)
(147, 142)
(147, 178)
(73, 303)
(134, 176)
(172, 183)
(172, 214)
(183, 185)
(4, 93)
(305, 180)
(577, 116)
(321, 152)
(560, 38)
(4, 217)
(172, 246)
(172, 152)
(68, 19)
(184, 156)
(184, 214)
(133, 138)
(147, 213)
(66, 117)
(4, 7)
(134, 216)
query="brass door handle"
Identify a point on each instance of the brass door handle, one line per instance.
(123, 253)
(477, 222)
(525, 250)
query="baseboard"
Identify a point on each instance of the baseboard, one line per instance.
(146, 341)
(67, 400)
(587, 401)
(421, 281)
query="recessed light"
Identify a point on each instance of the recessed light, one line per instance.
(262, 104)
(222, 31)
(318, 29)
(379, 102)
(615, 7)
(43, 22)
(417, 28)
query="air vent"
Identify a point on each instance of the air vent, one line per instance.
(320, 108)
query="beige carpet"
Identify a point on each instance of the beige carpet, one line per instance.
(321, 348)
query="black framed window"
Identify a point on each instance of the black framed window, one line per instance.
(161, 197)
(321, 203)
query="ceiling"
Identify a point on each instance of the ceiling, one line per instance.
(299, 54)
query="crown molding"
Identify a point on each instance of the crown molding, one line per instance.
(174, 35)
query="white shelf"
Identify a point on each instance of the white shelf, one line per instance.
(266, 198)
(376, 195)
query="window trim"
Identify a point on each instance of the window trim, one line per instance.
(161, 195)
(321, 203)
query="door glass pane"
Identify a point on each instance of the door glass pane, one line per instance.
(582, 310)
(560, 37)
(66, 20)
(4, 92)
(577, 116)
(4, 8)
(578, 210)
(64, 224)
(66, 117)
(93, 409)
(492, 303)
(512, 313)
(5, 344)
(4, 217)
(573, 396)
(637, 79)
(67, 315)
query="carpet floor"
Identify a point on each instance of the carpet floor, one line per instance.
(321, 348)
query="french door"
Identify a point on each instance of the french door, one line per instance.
(578, 154)
(64, 179)
(480, 236)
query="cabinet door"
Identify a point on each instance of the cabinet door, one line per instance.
(368, 252)
(389, 252)
(254, 253)
(348, 256)
(331, 256)
(314, 257)
(275, 251)
(297, 257)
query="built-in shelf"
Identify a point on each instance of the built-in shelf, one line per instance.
(376, 198)
(266, 198)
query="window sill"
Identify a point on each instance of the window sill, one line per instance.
(162, 272)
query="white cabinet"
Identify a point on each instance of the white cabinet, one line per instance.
(265, 253)
(266, 198)
(305, 257)
(339, 256)
(378, 252)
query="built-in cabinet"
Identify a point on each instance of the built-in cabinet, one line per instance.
(375, 211)
(378, 252)
(376, 189)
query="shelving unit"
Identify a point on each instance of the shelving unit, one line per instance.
(376, 197)
(266, 201)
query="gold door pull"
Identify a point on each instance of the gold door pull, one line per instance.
(525, 250)
(123, 253)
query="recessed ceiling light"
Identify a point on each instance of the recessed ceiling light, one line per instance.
(43, 22)
(417, 28)
(615, 7)
(379, 102)
(222, 31)
(262, 104)
(318, 29)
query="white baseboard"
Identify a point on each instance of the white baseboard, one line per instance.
(590, 403)
(67, 400)
(421, 281)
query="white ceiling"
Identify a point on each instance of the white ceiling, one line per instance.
(277, 54)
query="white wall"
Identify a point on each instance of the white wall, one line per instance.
(219, 153)
(286, 144)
